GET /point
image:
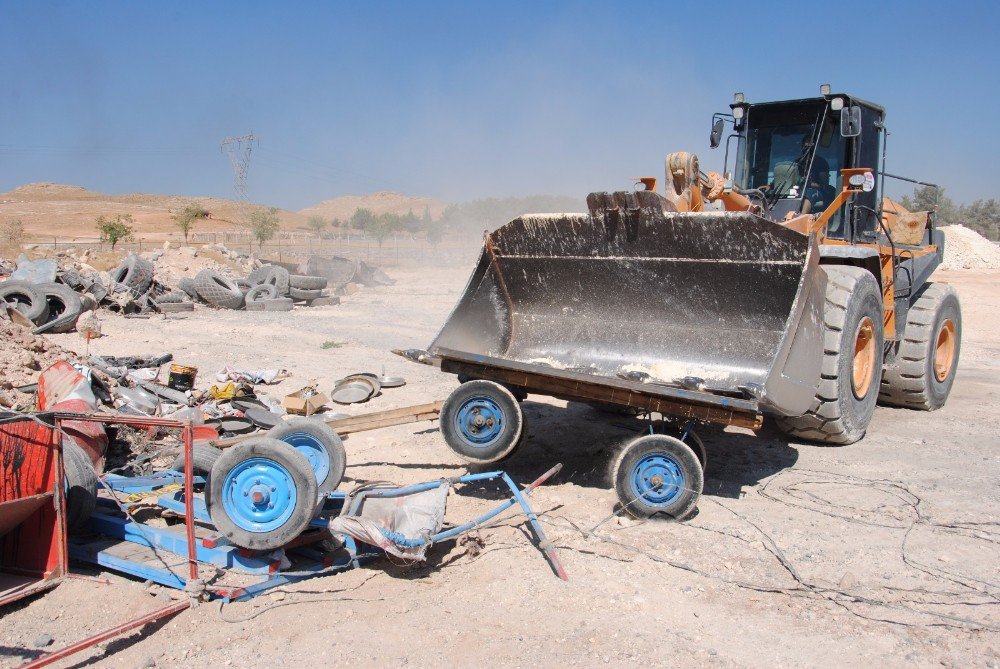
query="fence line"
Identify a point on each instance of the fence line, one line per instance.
(394, 250)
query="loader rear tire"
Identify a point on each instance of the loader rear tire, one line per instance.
(923, 372)
(852, 360)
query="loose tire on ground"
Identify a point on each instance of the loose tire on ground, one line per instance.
(136, 273)
(275, 275)
(261, 494)
(852, 360)
(923, 372)
(301, 294)
(26, 298)
(171, 297)
(320, 444)
(186, 285)
(217, 290)
(658, 475)
(203, 459)
(482, 422)
(81, 485)
(64, 307)
(306, 282)
(263, 291)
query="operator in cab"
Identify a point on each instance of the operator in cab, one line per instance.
(818, 192)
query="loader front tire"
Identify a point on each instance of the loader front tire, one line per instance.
(923, 371)
(852, 360)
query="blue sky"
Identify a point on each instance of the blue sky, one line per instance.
(465, 100)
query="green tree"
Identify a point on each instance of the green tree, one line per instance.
(381, 226)
(117, 229)
(983, 216)
(263, 224)
(362, 219)
(411, 223)
(186, 217)
(434, 231)
(928, 198)
(316, 224)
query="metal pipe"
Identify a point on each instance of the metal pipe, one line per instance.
(188, 436)
(83, 644)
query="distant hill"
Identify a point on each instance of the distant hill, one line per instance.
(383, 202)
(58, 210)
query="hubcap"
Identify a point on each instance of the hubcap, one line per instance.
(864, 358)
(259, 495)
(479, 421)
(944, 351)
(658, 479)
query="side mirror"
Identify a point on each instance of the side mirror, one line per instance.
(716, 137)
(850, 121)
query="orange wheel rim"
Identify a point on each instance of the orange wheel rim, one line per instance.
(864, 357)
(944, 351)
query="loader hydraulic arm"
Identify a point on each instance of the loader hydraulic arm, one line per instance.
(688, 188)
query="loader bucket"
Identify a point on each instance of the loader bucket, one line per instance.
(728, 301)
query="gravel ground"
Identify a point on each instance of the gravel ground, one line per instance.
(882, 553)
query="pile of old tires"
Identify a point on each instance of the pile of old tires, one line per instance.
(51, 306)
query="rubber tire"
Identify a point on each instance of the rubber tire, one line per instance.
(305, 282)
(136, 273)
(302, 476)
(506, 442)
(187, 285)
(203, 458)
(909, 381)
(300, 294)
(217, 290)
(836, 415)
(81, 485)
(326, 435)
(681, 453)
(275, 275)
(64, 307)
(71, 278)
(261, 292)
(173, 297)
(27, 298)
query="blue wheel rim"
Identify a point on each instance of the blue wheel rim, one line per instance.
(259, 495)
(658, 479)
(479, 422)
(314, 450)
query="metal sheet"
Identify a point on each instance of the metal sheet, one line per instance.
(722, 297)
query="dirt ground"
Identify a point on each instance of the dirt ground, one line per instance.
(882, 553)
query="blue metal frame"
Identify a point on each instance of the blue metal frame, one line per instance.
(110, 522)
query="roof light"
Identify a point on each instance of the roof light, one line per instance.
(824, 89)
(836, 104)
(738, 98)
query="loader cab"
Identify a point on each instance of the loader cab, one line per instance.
(789, 156)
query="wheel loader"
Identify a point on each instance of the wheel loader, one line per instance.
(786, 286)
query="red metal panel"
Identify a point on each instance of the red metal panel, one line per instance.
(32, 535)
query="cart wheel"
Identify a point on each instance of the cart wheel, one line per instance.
(482, 421)
(261, 494)
(657, 474)
(320, 444)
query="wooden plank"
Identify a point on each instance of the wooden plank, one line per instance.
(389, 418)
(361, 423)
